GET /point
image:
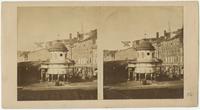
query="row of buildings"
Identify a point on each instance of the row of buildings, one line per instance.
(63, 57)
(168, 50)
(82, 49)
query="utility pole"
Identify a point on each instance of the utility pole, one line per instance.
(71, 44)
(71, 51)
(169, 26)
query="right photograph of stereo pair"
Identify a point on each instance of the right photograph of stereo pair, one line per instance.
(145, 59)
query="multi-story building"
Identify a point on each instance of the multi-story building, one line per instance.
(82, 50)
(109, 55)
(124, 54)
(22, 56)
(81, 47)
(168, 49)
(39, 55)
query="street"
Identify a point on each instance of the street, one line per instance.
(48, 91)
(134, 90)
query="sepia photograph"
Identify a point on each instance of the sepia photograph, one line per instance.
(146, 61)
(97, 54)
(56, 53)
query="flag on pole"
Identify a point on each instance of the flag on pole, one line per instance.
(126, 43)
(39, 44)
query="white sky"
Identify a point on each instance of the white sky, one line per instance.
(44, 24)
(121, 24)
(114, 24)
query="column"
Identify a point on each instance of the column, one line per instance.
(131, 75)
(151, 76)
(48, 77)
(135, 76)
(67, 77)
(53, 77)
(145, 76)
(64, 77)
(58, 77)
(128, 74)
(41, 76)
(139, 77)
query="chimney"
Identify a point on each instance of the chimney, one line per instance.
(157, 35)
(165, 33)
(80, 36)
(70, 35)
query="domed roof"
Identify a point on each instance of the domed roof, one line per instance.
(145, 45)
(58, 47)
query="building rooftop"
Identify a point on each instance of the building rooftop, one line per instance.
(58, 47)
(145, 45)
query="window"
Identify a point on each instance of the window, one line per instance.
(142, 54)
(65, 55)
(61, 54)
(55, 56)
(148, 53)
(153, 54)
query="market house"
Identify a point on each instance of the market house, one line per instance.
(146, 65)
